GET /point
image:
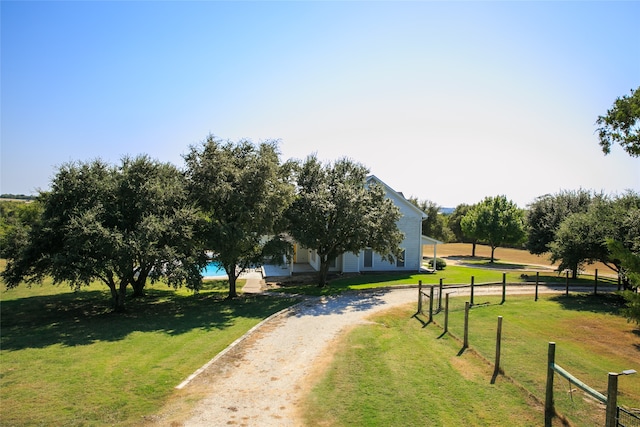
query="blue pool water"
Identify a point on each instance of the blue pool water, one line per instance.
(214, 269)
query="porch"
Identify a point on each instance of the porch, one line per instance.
(270, 270)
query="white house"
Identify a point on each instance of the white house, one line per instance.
(410, 224)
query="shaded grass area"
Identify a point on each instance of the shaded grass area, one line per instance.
(438, 384)
(68, 360)
(452, 275)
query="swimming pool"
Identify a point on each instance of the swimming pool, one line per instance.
(213, 269)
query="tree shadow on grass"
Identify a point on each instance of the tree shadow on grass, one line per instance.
(341, 303)
(342, 283)
(84, 317)
(600, 303)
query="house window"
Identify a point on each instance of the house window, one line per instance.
(400, 260)
(368, 258)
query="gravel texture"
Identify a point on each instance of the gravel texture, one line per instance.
(260, 381)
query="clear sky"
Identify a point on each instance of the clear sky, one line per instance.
(445, 101)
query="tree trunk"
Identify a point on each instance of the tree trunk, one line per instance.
(139, 284)
(232, 287)
(493, 249)
(118, 295)
(322, 274)
(231, 274)
(473, 249)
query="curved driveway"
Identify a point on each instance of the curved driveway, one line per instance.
(260, 380)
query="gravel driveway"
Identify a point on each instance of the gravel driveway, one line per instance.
(260, 380)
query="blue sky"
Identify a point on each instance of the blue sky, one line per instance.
(445, 101)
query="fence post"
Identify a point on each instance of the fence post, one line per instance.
(498, 342)
(566, 285)
(612, 400)
(472, 282)
(440, 296)
(446, 313)
(504, 287)
(595, 284)
(548, 403)
(537, 280)
(431, 304)
(420, 296)
(466, 325)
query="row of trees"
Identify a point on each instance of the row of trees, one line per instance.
(144, 220)
(573, 227)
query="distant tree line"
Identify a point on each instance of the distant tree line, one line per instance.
(573, 228)
(17, 197)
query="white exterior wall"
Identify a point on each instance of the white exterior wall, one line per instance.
(350, 263)
(410, 224)
(314, 260)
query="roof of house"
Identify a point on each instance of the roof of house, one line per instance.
(399, 195)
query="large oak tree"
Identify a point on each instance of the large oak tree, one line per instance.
(582, 237)
(337, 211)
(119, 224)
(495, 221)
(242, 190)
(547, 212)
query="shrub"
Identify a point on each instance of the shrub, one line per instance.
(440, 264)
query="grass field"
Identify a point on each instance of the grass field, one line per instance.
(462, 251)
(460, 272)
(395, 371)
(67, 360)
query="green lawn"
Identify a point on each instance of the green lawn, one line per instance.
(399, 372)
(452, 275)
(66, 359)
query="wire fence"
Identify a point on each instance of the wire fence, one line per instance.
(627, 418)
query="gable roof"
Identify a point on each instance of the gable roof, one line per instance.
(398, 195)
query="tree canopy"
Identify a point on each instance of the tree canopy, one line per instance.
(573, 227)
(621, 124)
(547, 212)
(496, 221)
(120, 225)
(335, 212)
(435, 224)
(243, 191)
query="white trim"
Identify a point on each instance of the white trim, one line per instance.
(426, 240)
(398, 195)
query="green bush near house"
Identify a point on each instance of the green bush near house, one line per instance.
(441, 264)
